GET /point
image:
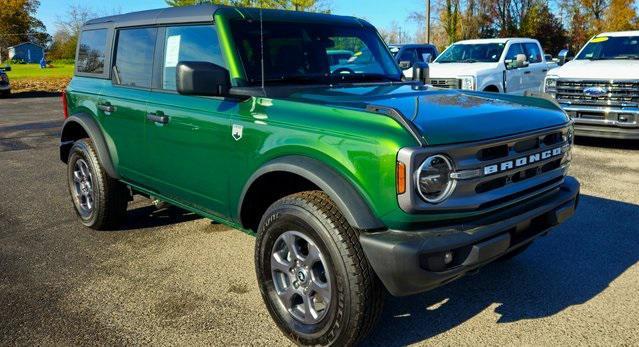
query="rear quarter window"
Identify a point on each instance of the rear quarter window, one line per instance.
(134, 57)
(91, 51)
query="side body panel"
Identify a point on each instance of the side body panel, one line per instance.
(361, 147)
(191, 155)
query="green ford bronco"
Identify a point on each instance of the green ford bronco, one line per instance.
(355, 181)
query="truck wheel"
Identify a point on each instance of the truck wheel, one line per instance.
(313, 275)
(515, 253)
(99, 200)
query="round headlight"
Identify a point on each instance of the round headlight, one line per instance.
(434, 183)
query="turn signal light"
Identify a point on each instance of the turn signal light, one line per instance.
(400, 178)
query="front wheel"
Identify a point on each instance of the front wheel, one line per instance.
(314, 278)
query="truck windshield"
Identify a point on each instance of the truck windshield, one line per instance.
(303, 53)
(608, 48)
(472, 53)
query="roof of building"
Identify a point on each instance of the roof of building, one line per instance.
(205, 13)
(24, 43)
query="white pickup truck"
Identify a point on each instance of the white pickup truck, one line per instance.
(599, 89)
(510, 65)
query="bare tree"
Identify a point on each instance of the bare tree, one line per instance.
(75, 18)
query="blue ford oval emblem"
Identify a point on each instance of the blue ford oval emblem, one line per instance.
(595, 91)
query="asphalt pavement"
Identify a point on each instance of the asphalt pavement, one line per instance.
(173, 278)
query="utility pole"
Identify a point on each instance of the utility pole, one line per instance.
(427, 21)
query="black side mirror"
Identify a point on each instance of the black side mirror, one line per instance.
(421, 72)
(6, 68)
(563, 56)
(202, 78)
(404, 65)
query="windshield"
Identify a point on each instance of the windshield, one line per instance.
(472, 53)
(313, 53)
(608, 48)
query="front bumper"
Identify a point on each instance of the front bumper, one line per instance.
(605, 122)
(410, 262)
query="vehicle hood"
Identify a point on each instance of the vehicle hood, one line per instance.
(453, 70)
(598, 69)
(446, 116)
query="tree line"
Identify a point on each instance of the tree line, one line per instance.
(18, 24)
(556, 24)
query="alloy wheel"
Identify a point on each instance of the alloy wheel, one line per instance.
(301, 277)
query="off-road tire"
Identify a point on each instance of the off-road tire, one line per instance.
(357, 295)
(110, 196)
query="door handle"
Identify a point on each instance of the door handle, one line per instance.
(527, 72)
(544, 70)
(106, 107)
(158, 118)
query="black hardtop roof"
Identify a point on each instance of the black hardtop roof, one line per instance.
(205, 13)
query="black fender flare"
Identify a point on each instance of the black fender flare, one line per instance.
(349, 201)
(94, 132)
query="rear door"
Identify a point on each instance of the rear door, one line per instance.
(515, 76)
(537, 66)
(190, 151)
(122, 104)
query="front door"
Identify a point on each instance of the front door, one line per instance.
(122, 105)
(515, 76)
(189, 137)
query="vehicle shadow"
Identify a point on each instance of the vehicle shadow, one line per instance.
(607, 143)
(575, 263)
(145, 217)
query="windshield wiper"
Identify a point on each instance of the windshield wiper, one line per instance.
(627, 57)
(469, 61)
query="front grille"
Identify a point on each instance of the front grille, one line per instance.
(617, 93)
(495, 172)
(446, 83)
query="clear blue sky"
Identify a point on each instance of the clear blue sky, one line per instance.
(380, 13)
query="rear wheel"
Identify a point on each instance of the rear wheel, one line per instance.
(317, 284)
(100, 201)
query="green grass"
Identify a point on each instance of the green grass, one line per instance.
(33, 71)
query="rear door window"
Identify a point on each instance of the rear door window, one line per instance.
(408, 54)
(425, 53)
(91, 51)
(134, 57)
(188, 43)
(533, 53)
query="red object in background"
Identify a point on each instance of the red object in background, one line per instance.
(65, 109)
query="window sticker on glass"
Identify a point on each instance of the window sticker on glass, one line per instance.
(172, 54)
(599, 39)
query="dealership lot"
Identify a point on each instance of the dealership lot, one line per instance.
(173, 278)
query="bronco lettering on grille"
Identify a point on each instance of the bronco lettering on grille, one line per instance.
(523, 161)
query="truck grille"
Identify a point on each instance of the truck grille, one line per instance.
(616, 93)
(446, 83)
(495, 173)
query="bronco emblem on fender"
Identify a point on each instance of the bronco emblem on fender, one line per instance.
(237, 131)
